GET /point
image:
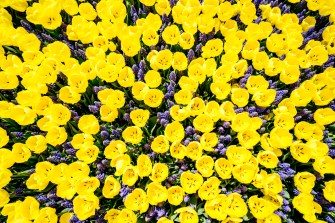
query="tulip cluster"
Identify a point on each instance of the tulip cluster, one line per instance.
(126, 111)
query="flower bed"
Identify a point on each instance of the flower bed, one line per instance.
(167, 111)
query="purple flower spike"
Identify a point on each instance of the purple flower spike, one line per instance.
(190, 55)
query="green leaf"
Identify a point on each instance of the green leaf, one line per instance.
(286, 195)
(201, 211)
(286, 156)
(14, 50)
(332, 127)
(66, 210)
(173, 217)
(140, 220)
(152, 122)
(193, 200)
(245, 218)
(49, 187)
(12, 123)
(92, 97)
(147, 132)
